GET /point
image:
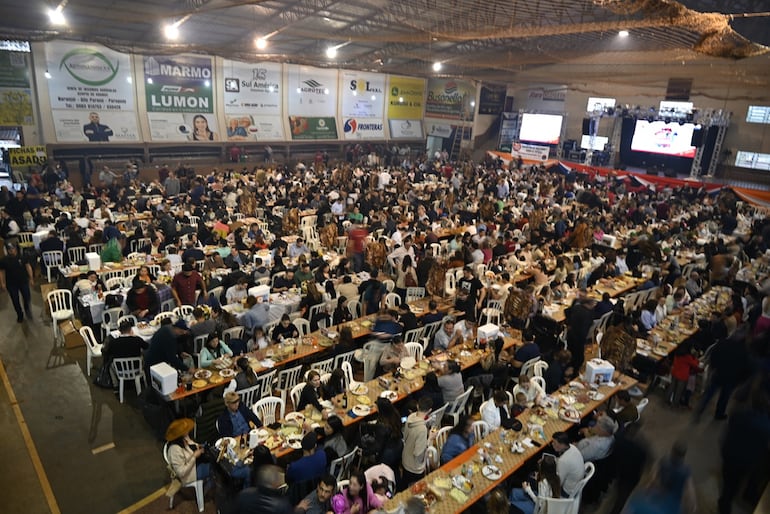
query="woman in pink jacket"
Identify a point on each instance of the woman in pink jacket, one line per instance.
(357, 498)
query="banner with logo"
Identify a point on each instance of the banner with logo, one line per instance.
(311, 92)
(363, 128)
(362, 95)
(313, 127)
(180, 98)
(15, 91)
(253, 101)
(92, 93)
(531, 152)
(450, 99)
(28, 156)
(439, 130)
(491, 99)
(405, 98)
(405, 129)
(547, 98)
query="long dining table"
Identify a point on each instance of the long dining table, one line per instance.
(615, 287)
(444, 493)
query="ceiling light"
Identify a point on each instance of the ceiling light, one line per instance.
(400, 99)
(331, 52)
(149, 80)
(56, 16)
(207, 83)
(171, 31)
(326, 90)
(47, 74)
(623, 33)
(129, 80)
(473, 103)
(374, 98)
(260, 43)
(436, 66)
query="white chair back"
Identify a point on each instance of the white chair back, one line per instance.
(392, 300)
(528, 367)
(342, 358)
(434, 420)
(414, 293)
(53, 260)
(113, 283)
(76, 254)
(303, 326)
(457, 407)
(250, 395)
(480, 430)
(441, 436)
(340, 468)
(266, 409)
(539, 368)
(128, 317)
(183, 311)
(163, 315)
(197, 485)
(128, 368)
(287, 379)
(415, 350)
(93, 348)
(354, 306)
(295, 393)
(323, 366)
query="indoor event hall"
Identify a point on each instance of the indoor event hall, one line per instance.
(387, 256)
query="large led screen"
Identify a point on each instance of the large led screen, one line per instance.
(540, 128)
(663, 138)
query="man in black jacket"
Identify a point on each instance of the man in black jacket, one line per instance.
(265, 496)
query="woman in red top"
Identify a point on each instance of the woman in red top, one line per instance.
(685, 364)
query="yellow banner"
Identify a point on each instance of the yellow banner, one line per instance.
(406, 98)
(28, 156)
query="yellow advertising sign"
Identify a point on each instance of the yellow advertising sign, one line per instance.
(406, 98)
(28, 156)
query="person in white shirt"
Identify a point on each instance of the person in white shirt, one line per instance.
(620, 263)
(531, 390)
(338, 208)
(570, 465)
(397, 237)
(599, 440)
(384, 179)
(298, 248)
(398, 254)
(495, 411)
(238, 292)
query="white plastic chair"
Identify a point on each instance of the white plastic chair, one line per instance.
(415, 350)
(129, 317)
(450, 284)
(642, 405)
(303, 326)
(53, 260)
(264, 281)
(183, 311)
(340, 359)
(60, 305)
(95, 248)
(556, 505)
(457, 407)
(163, 315)
(197, 485)
(539, 368)
(527, 368)
(480, 430)
(93, 348)
(250, 395)
(578, 494)
(354, 306)
(389, 285)
(76, 254)
(323, 366)
(113, 283)
(110, 319)
(268, 327)
(167, 305)
(265, 382)
(414, 335)
(295, 393)
(392, 300)
(441, 436)
(129, 368)
(347, 371)
(340, 467)
(287, 379)
(233, 333)
(490, 315)
(435, 417)
(414, 293)
(265, 409)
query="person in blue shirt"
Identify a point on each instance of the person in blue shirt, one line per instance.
(459, 440)
(311, 466)
(386, 325)
(528, 351)
(235, 419)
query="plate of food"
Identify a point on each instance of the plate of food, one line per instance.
(408, 362)
(199, 383)
(203, 374)
(411, 374)
(390, 395)
(462, 483)
(290, 430)
(364, 400)
(262, 434)
(491, 472)
(362, 410)
(296, 417)
(442, 483)
(216, 379)
(229, 441)
(227, 373)
(359, 389)
(326, 343)
(441, 357)
(570, 415)
(596, 396)
(294, 442)
(273, 442)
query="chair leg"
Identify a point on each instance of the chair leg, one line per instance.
(122, 383)
(88, 363)
(199, 494)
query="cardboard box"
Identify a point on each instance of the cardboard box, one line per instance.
(70, 332)
(44, 290)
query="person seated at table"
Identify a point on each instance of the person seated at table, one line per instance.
(334, 443)
(406, 317)
(303, 273)
(126, 345)
(531, 389)
(526, 352)
(260, 270)
(318, 501)
(347, 288)
(237, 419)
(213, 262)
(311, 393)
(238, 292)
(495, 411)
(386, 325)
(647, 319)
(627, 413)
(284, 282)
(558, 372)
(236, 258)
(312, 297)
(459, 440)
(312, 465)
(390, 359)
(88, 283)
(341, 313)
(451, 381)
(446, 337)
(334, 386)
(357, 498)
(298, 248)
(548, 486)
(142, 300)
(213, 351)
(185, 456)
(598, 440)
(202, 326)
(433, 315)
(192, 252)
(144, 275)
(259, 341)
(245, 377)
(284, 330)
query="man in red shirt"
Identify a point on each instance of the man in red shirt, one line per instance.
(357, 238)
(184, 285)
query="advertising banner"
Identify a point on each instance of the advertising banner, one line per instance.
(362, 95)
(439, 130)
(547, 98)
(450, 99)
(91, 87)
(15, 92)
(180, 98)
(253, 101)
(531, 152)
(405, 98)
(28, 156)
(405, 129)
(304, 127)
(363, 128)
(491, 99)
(311, 92)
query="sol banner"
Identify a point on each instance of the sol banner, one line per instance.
(531, 152)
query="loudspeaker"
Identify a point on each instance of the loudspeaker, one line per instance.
(697, 138)
(586, 126)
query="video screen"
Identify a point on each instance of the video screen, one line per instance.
(663, 138)
(540, 128)
(599, 142)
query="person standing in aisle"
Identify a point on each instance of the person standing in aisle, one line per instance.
(16, 276)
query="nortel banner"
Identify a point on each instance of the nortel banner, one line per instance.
(405, 129)
(363, 128)
(92, 93)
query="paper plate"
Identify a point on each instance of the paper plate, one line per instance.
(362, 410)
(227, 373)
(203, 374)
(408, 362)
(297, 417)
(359, 389)
(491, 472)
(390, 395)
(230, 441)
(199, 383)
(294, 442)
(216, 379)
(569, 415)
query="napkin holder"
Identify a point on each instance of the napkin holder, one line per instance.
(164, 378)
(260, 292)
(598, 371)
(94, 261)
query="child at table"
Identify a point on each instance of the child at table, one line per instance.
(259, 342)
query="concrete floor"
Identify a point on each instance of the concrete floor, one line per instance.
(69, 419)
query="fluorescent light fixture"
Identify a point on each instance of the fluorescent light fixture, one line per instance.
(623, 33)
(331, 52)
(436, 66)
(171, 31)
(260, 43)
(56, 16)
(473, 103)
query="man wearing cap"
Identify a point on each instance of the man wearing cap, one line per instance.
(184, 284)
(16, 276)
(237, 419)
(311, 466)
(142, 300)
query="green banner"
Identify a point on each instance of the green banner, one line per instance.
(14, 69)
(179, 84)
(312, 127)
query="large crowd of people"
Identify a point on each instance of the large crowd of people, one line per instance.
(525, 238)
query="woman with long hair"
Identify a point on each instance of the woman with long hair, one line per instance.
(311, 393)
(201, 130)
(459, 440)
(406, 276)
(548, 486)
(357, 498)
(245, 377)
